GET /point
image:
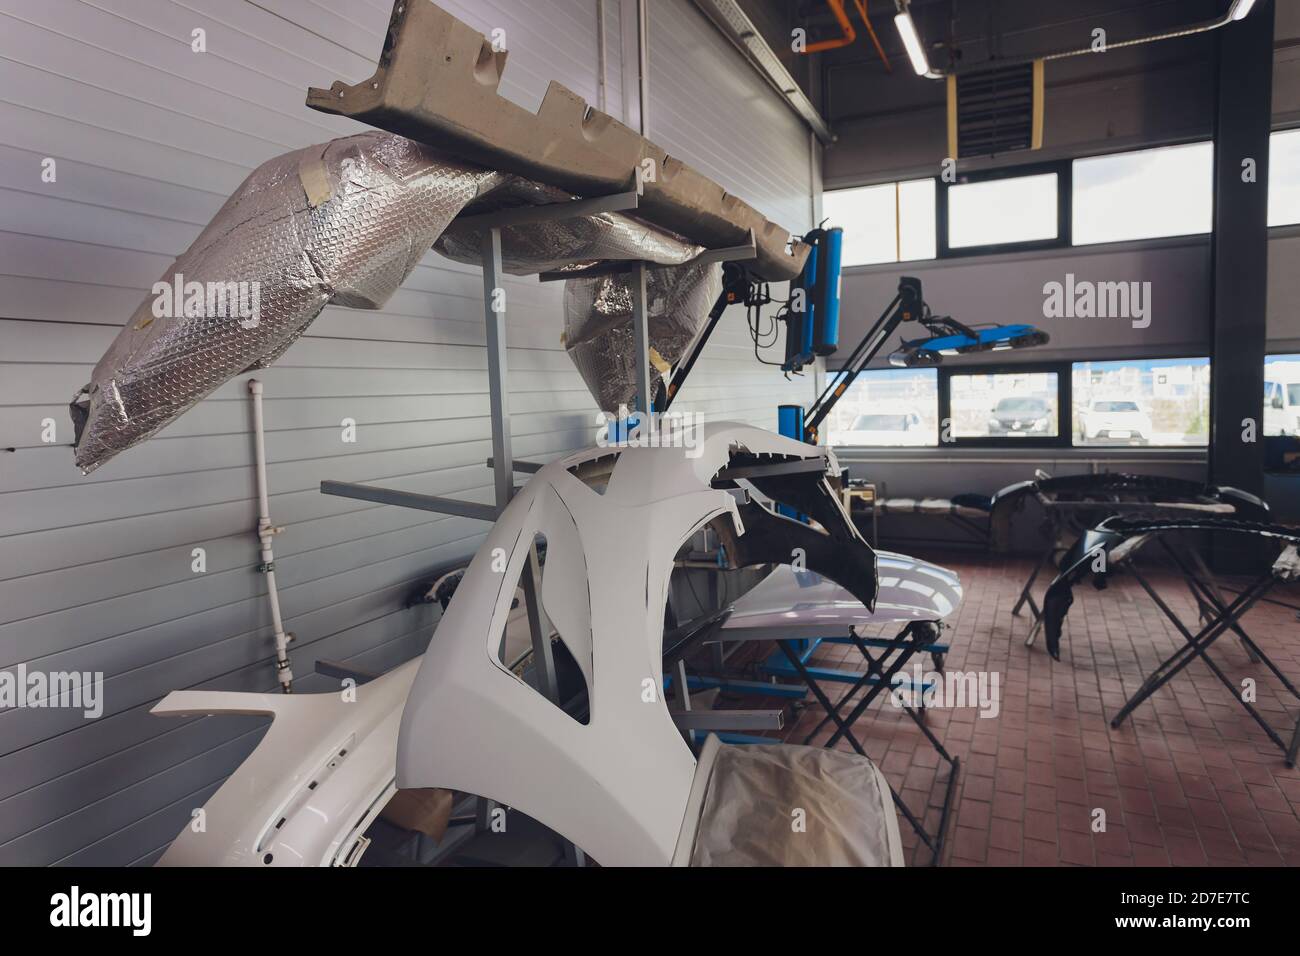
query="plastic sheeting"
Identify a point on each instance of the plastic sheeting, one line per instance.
(345, 223)
(561, 244)
(598, 332)
(342, 223)
(750, 815)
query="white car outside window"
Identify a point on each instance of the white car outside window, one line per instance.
(1114, 420)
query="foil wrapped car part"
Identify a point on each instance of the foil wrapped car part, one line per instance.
(562, 244)
(343, 223)
(598, 332)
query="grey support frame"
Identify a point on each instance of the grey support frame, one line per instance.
(877, 679)
(1073, 503)
(1062, 521)
(502, 461)
(1221, 619)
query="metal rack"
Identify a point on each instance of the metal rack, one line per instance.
(502, 461)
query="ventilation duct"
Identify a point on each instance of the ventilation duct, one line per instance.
(995, 111)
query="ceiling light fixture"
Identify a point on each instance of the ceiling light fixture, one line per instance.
(1240, 8)
(911, 39)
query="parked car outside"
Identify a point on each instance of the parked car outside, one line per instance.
(1023, 415)
(1120, 420)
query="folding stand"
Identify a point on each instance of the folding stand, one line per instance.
(1219, 618)
(1060, 515)
(777, 665)
(915, 637)
(1061, 518)
(1027, 595)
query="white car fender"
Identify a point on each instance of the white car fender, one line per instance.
(304, 796)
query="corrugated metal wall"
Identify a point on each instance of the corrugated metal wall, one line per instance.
(149, 138)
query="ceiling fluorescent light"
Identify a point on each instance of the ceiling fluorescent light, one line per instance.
(912, 41)
(1240, 8)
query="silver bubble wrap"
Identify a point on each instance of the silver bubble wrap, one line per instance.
(341, 223)
(598, 333)
(561, 244)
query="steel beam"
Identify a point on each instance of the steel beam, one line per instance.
(728, 719)
(527, 467)
(1239, 253)
(641, 337)
(340, 671)
(745, 252)
(549, 212)
(494, 312)
(539, 628)
(410, 499)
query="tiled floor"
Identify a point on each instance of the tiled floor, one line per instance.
(1188, 780)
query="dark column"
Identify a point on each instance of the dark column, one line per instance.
(1239, 248)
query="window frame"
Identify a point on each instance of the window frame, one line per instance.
(898, 198)
(1209, 363)
(1273, 131)
(1064, 390)
(1064, 369)
(1174, 236)
(938, 385)
(1064, 208)
(1064, 168)
(1263, 398)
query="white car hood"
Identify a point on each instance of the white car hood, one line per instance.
(805, 604)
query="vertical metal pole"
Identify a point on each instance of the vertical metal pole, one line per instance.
(683, 692)
(684, 697)
(494, 315)
(643, 63)
(539, 628)
(641, 337)
(629, 60)
(814, 179)
(494, 311)
(601, 57)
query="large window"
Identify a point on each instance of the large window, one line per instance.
(888, 408)
(1010, 406)
(1139, 194)
(1282, 395)
(1284, 178)
(1003, 211)
(1116, 405)
(1143, 194)
(894, 222)
(1154, 402)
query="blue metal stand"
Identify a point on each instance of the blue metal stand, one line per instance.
(778, 665)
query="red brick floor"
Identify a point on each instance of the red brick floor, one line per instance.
(1188, 780)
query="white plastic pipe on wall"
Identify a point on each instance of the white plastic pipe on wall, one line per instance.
(265, 532)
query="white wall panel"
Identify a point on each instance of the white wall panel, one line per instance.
(149, 139)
